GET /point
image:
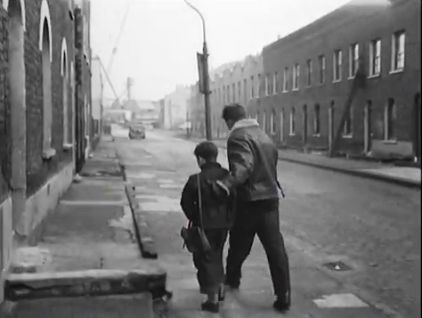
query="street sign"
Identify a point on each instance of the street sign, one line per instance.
(200, 59)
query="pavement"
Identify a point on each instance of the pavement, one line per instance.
(88, 250)
(343, 283)
(388, 172)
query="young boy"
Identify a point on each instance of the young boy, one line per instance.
(217, 218)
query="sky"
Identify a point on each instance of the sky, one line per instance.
(159, 39)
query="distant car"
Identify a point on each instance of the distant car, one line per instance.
(137, 131)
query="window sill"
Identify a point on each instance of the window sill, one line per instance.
(397, 71)
(49, 153)
(351, 78)
(292, 134)
(285, 91)
(347, 136)
(316, 135)
(337, 81)
(67, 146)
(295, 89)
(375, 75)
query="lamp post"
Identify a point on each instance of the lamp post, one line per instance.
(204, 77)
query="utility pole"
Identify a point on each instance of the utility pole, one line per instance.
(204, 84)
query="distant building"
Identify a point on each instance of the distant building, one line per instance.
(231, 82)
(308, 76)
(175, 106)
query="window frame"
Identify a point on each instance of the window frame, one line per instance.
(395, 48)
(296, 76)
(309, 72)
(375, 71)
(337, 65)
(353, 59)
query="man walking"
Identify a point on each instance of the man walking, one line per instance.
(253, 172)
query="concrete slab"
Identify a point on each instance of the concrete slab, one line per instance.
(102, 306)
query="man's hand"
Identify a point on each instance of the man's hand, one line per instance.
(221, 184)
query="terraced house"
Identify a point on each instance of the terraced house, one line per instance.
(45, 114)
(348, 82)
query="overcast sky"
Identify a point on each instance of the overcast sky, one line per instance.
(160, 38)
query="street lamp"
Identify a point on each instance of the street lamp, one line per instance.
(204, 77)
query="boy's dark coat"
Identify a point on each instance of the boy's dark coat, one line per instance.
(217, 213)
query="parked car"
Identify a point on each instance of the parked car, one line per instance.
(137, 131)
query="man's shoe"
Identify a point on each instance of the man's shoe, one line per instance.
(211, 307)
(281, 305)
(231, 283)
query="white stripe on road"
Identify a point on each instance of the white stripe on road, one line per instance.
(340, 301)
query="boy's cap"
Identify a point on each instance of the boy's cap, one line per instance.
(207, 150)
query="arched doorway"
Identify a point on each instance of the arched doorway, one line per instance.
(46, 83)
(331, 125)
(305, 125)
(417, 127)
(367, 127)
(65, 93)
(17, 98)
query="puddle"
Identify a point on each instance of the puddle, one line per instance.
(340, 301)
(125, 222)
(165, 181)
(159, 203)
(170, 186)
(141, 175)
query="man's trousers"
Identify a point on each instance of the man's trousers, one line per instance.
(261, 219)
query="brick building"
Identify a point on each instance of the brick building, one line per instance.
(44, 103)
(232, 82)
(309, 75)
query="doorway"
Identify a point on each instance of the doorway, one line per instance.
(331, 126)
(305, 124)
(417, 127)
(367, 114)
(281, 126)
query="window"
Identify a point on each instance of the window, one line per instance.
(353, 59)
(275, 83)
(375, 57)
(292, 121)
(252, 87)
(397, 51)
(296, 74)
(389, 120)
(347, 128)
(285, 79)
(321, 62)
(258, 86)
(224, 95)
(309, 72)
(337, 61)
(273, 124)
(317, 120)
(267, 88)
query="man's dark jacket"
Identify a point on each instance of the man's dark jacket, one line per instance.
(253, 159)
(217, 211)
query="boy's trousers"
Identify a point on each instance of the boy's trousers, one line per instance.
(210, 264)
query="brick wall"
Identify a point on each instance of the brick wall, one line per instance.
(39, 170)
